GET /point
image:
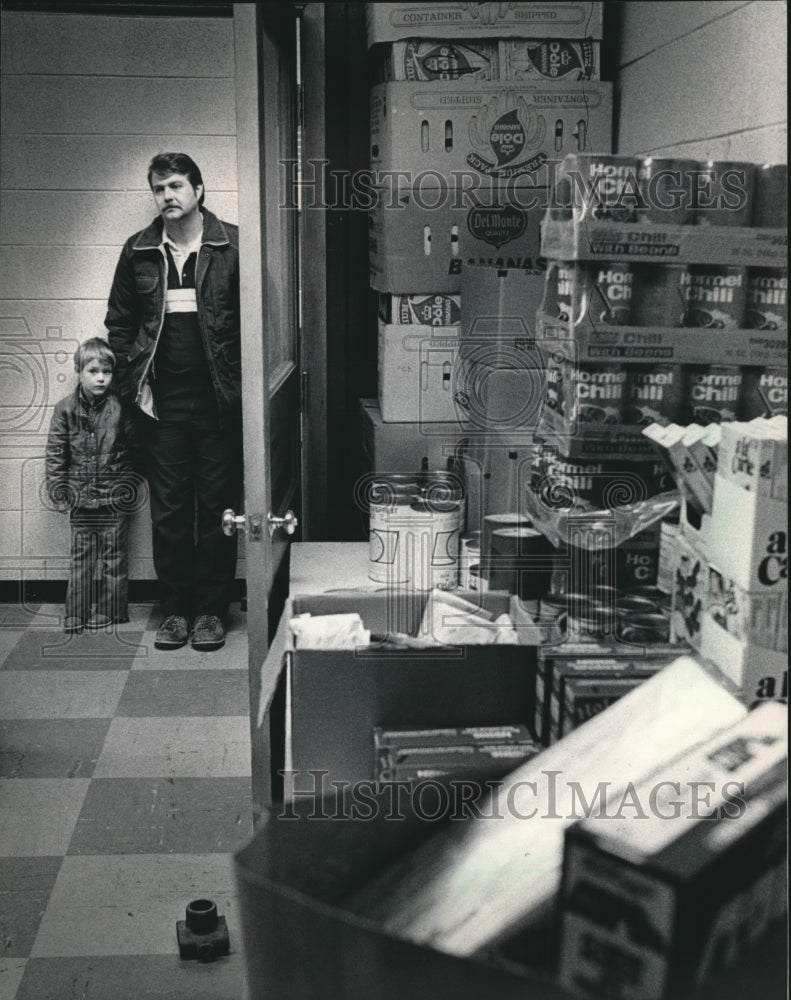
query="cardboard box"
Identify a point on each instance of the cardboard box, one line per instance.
(408, 739)
(421, 309)
(417, 373)
(338, 697)
(484, 762)
(690, 591)
(584, 697)
(667, 345)
(418, 242)
(487, 132)
(568, 240)
(748, 539)
(389, 22)
(520, 60)
(489, 880)
(655, 901)
(609, 661)
(757, 674)
(405, 447)
(300, 943)
(759, 618)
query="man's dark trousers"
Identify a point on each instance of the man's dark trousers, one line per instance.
(194, 474)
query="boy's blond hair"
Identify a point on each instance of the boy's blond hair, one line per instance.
(95, 349)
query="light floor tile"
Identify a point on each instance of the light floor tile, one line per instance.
(186, 658)
(39, 814)
(9, 637)
(11, 972)
(60, 694)
(130, 977)
(129, 905)
(176, 747)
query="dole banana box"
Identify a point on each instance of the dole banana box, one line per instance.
(487, 133)
(391, 22)
(525, 60)
(687, 877)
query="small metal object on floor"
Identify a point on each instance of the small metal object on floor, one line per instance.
(204, 934)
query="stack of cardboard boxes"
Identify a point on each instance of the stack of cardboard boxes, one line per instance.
(475, 106)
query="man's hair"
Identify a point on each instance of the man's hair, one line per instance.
(166, 164)
(95, 349)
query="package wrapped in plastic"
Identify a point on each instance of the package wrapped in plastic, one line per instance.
(565, 523)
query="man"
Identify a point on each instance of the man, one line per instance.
(173, 323)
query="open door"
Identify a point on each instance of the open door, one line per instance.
(266, 124)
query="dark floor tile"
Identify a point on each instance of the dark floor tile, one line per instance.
(131, 977)
(151, 693)
(25, 887)
(164, 816)
(50, 650)
(19, 614)
(50, 748)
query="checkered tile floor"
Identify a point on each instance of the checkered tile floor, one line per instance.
(124, 791)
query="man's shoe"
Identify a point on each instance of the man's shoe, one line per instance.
(73, 624)
(97, 622)
(208, 633)
(172, 633)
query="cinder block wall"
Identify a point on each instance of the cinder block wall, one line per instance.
(705, 80)
(86, 101)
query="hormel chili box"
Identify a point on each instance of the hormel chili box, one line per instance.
(584, 697)
(487, 133)
(748, 537)
(416, 373)
(422, 237)
(681, 877)
(391, 22)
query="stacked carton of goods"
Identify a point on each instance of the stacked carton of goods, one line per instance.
(473, 106)
(730, 596)
(665, 302)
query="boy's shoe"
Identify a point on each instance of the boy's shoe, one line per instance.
(172, 633)
(97, 622)
(73, 624)
(208, 633)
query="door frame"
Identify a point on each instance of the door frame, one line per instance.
(266, 561)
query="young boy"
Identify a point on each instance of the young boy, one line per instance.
(90, 460)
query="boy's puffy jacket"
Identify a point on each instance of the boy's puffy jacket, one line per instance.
(91, 454)
(136, 310)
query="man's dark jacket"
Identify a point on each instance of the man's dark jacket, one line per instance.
(92, 452)
(136, 310)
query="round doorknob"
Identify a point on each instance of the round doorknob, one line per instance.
(288, 522)
(232, 522)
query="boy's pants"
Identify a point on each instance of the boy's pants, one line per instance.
(99, 541)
